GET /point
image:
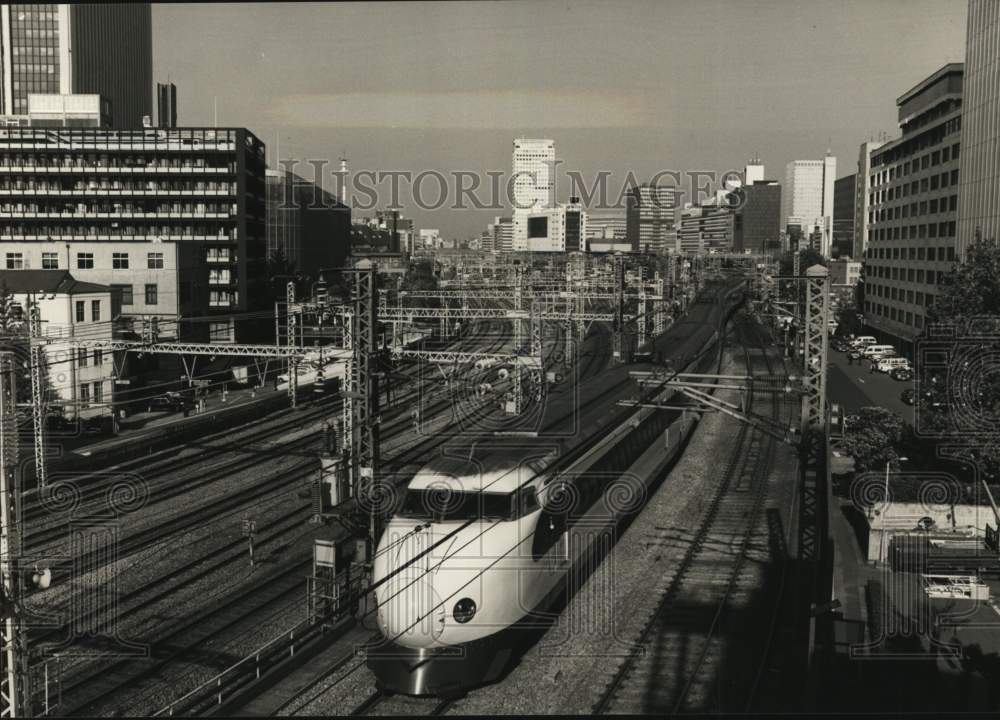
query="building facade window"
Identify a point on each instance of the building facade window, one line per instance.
(15, 261)
(98, 357)
(85, 261)
(95, 310)
(80, 308)
(82, 357)
(124, 293)
(98, 392)
(85, 393)
(50, 261)
(154, 260)
(151, 294)
(119, 261)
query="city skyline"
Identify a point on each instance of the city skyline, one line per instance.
(455, 101)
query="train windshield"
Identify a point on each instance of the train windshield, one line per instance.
(442, 504)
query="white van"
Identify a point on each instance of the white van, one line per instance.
(875, 352)
(887, 364)
(863, 341)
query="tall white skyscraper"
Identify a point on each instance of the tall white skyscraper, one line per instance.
(753, 171)
(807, 198)
(862, 204)
(534, 183)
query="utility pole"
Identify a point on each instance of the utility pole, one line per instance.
(364, 393)
(293, 365)
(249, 528)
(619, 276)
(15, 694)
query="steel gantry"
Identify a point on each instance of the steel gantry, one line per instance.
(363, 429)
(36, 359)
(814, 360)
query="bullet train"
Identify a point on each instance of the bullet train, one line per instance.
(479, 545)
(308, 372)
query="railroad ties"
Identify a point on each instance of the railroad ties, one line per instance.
(694, 650)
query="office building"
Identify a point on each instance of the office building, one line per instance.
(561, 228)
(649, 216)
(862, 197)
(979, 191)
(502, 232)
(101, 49)
(399, 228)
(706, 228)
(166, 105)
(759, 217)
(62, 111)
(844, 193)
(807, 198)
(606, 232)
(307, 224)
(81, 380)
(533, 177)
(845, 273)
(429, 237)
(914, 208)
(753, 172)
(67, 192)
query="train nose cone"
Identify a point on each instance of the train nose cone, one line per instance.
(411, 611)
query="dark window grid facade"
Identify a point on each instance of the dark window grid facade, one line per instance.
(34, 33)
(901, 221)
(77, 158)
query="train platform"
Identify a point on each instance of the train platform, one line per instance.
(148, 432)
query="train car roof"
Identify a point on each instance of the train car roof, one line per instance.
(502, 471)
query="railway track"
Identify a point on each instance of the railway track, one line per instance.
(116, 678)
(92, 486)
(596, 359)
(350, 664)
(684, 650)
(63, 499)
(381, 704)
(89, 692)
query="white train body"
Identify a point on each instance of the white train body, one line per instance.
(461, 537)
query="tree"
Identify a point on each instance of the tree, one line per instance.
(967, 387)
(971, 288)
(872, 437)
(420, 276)
(786, 266)
(11, 320)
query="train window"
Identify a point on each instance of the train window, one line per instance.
(527, 501)
(444, 504)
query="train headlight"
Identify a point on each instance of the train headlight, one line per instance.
(465, 610)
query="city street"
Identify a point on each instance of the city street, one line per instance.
(854, 387)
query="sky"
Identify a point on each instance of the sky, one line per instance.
(629, 88)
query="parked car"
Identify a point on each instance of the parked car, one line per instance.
(907, 396)
(93, 426)
(875, 352)
(903, 374)
(168, 402)
(59, 423)
(888, 363)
